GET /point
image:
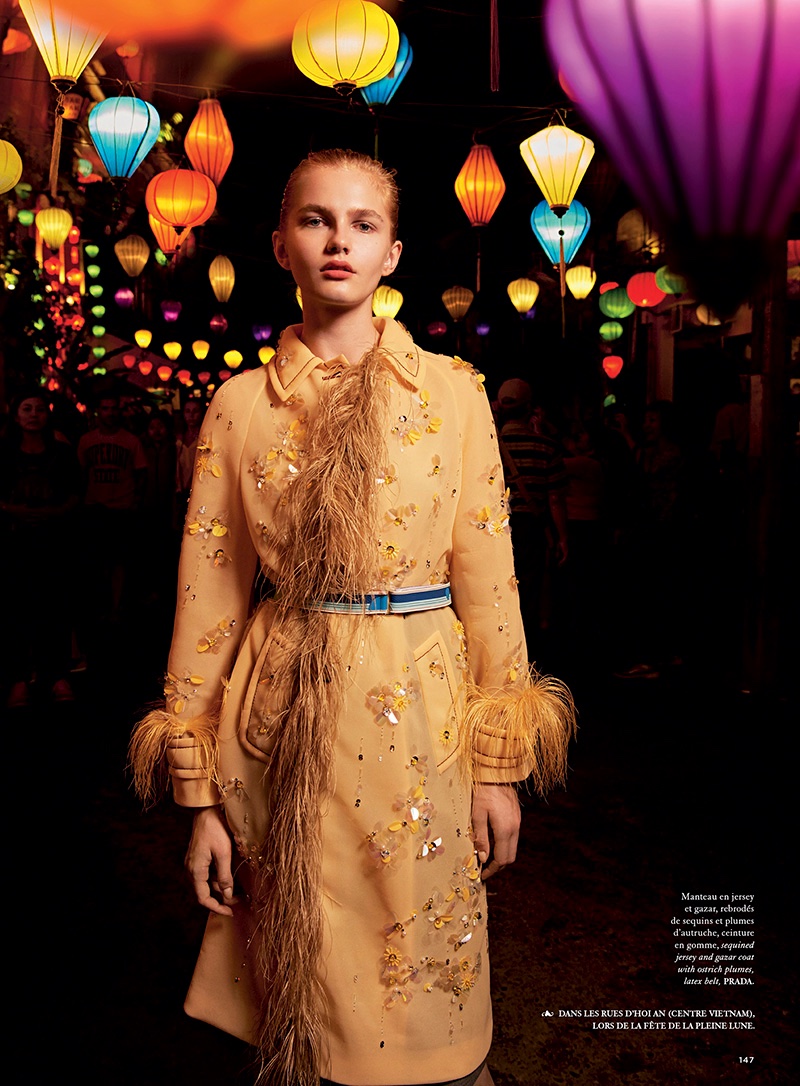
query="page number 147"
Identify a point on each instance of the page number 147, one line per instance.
(746, 1059)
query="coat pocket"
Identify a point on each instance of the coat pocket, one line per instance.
(442, 698)
(266, 700)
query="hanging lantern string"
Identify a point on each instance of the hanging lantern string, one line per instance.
(494, 47)
(562, 275)
(55, 154)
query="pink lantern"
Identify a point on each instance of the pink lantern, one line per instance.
(697, 105)
(612, 365)
(124, 297)
(204, 377)
(218, 324)
(437, 328)
(171, 311)
(224, 375)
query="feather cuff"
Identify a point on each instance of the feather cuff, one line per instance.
(521, 732)
(164, 746)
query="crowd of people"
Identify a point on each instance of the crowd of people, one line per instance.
(610, 514)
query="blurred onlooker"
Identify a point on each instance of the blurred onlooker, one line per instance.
(39, 491)
(115, 469)
(534, 472)
(186, 449)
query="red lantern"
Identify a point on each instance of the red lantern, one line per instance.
(145, 367)
(204, 377)
(610, 285)
(164, 373)
(612, 364)
(218, 324)
(181, 198)
(643, 290)
(129, 361)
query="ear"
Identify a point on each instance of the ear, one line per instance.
(279, 249)
(392, 257)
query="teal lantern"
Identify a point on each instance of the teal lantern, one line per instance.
(552, 232)
(123, 130)
(611, 330)
(670, 282)
(616, 303)
(381, 92)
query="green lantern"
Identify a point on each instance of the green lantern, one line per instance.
(92, 251)
(669, 281)
(96, 290)
(611, 330)
(616, 303)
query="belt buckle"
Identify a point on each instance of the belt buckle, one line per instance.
(379, 603)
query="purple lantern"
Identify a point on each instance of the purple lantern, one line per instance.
(262, 332)
(218, 324)
(124, 297)
(698, 105)
(483, 329)
(171, 311)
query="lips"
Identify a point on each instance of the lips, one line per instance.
(337, 269)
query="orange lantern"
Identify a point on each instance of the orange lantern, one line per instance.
(610, 285)
(184, 376)
(15, 41)
(222, 277)
(133, 252)
(181, 198)
(480, 185)
(164, 373)
(208, 142)
(52, 266)
(166, 236)
(643, 290)
(145, 367)
(612, 365)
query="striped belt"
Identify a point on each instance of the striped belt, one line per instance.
(400, 602)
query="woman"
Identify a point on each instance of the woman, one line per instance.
(358, 780)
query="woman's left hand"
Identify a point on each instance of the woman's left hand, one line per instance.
(495, 825)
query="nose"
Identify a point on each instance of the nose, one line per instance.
(337, 243)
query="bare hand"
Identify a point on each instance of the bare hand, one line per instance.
(495, 810)
(208, 862)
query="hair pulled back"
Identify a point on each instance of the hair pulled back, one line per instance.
(346, 159)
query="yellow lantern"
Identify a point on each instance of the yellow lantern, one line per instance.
(222, 277)
(523, 294)
(580, 280)
(181, 198)
(54, 224)
(558, 158)
(386, 301)
(200, 349)
(172, 350)
(480, 185)
(457, 301)
(143, 338)
(233, 359)
(706, 316)
(208, 142)
(10, 166)
(265, 353)
(345, 44)
(133, 252)
(66, 45)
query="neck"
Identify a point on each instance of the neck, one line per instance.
(32, 443)
(330, 333)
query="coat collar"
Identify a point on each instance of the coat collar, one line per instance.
(293, 361)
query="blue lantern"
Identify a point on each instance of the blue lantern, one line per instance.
(123, 130)
(551, 230)
(382, 92)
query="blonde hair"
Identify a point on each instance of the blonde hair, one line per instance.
(339, 158)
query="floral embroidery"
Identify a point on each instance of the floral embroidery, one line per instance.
(397, 517)
(178, 691)
(490, 476)
(436, 469)
(203, 528)
(212, 639)
(384, 846)
(288, 453)
(387, 476)
(492, 521)
(431, 847)
(417, 808)
(398, 971)
(477, 377)
(220, 558)
(391, 700)
(207, 459)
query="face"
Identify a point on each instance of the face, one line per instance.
(108, 413)
(337, 239)
(191, 413)
(651, 425)
(32, 414)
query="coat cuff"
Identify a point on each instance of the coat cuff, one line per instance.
(166, 747)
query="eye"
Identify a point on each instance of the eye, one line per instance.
(365, 227)
(313, 220)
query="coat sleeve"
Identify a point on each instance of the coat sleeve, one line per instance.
(216, 572)
(517, 723)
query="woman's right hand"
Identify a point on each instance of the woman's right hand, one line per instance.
(208, 861)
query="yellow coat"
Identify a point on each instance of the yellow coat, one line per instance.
(404, 966)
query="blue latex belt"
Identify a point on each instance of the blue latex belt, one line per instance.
(400, 602)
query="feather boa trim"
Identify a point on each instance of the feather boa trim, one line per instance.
(163, 745)
(522, 732)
